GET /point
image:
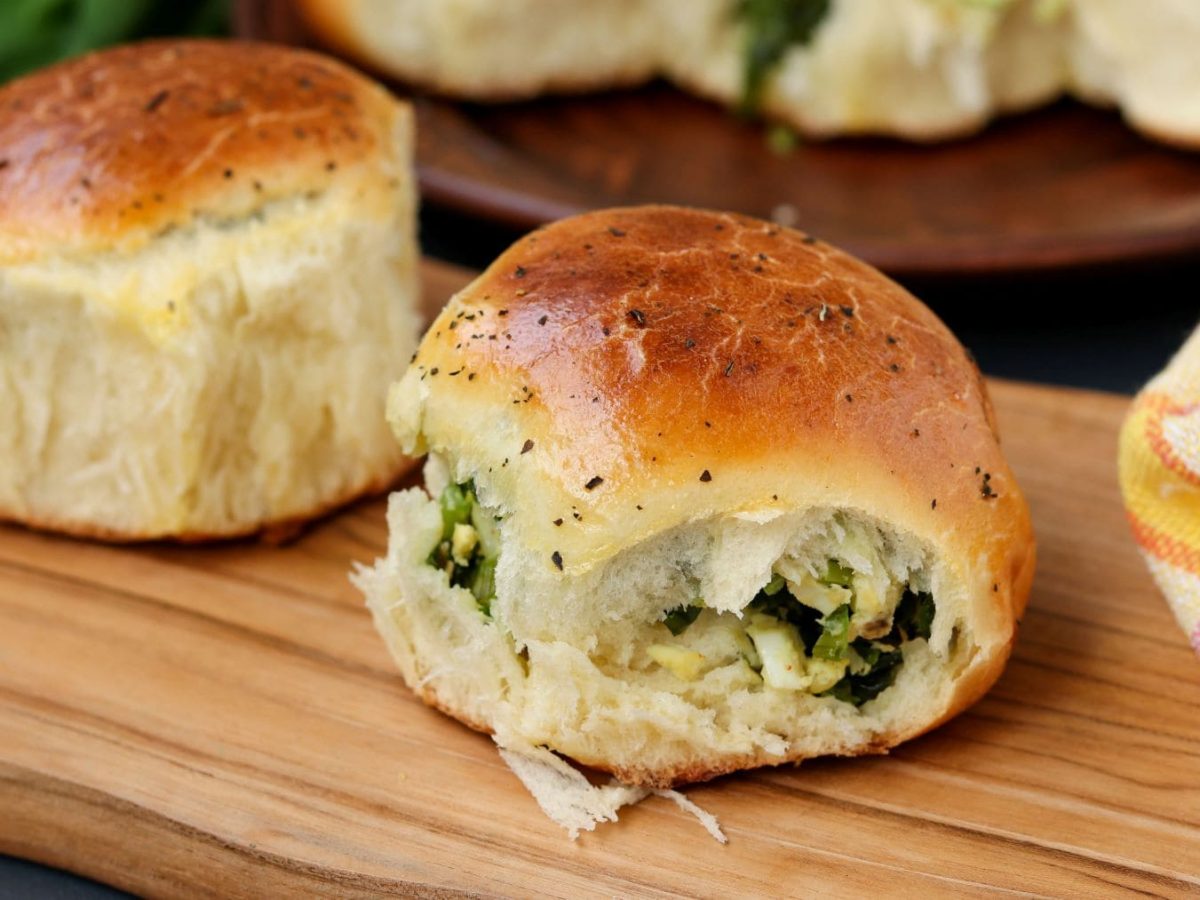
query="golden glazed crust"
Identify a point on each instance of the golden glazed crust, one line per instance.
(116, 147)
(672, 352)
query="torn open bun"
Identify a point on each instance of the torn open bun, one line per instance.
(703, 494)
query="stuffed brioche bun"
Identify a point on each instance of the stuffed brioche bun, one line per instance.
(702, 494)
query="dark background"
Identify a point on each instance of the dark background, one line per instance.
(1106, 330)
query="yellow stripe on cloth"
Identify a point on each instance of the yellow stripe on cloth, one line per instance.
(1159, 464)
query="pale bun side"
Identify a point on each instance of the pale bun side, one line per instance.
(1143, 58)
(483, 50)
(672, 391)
(207, 280)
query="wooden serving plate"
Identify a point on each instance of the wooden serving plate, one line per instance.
(224, 721)
(1064, 187)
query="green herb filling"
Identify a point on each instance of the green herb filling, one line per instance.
(469, 546)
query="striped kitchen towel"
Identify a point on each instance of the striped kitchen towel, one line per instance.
(1159, 462)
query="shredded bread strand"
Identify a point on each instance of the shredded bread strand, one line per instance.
(567, 797)
(707, 819)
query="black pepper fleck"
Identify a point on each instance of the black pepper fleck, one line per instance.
(729, 369)
(558, 522)
(933, 503)
(894, 367)
(891, 340)
(689, 344)
(849, 398)
(808, 239)
(985, 488)
(594, 482)
(225, 107)
(639, 317)
(706, 476)
(228, 173)
(520, 273)
(556, 558)
(543, 320)
(615, 232)
(156, 101)
(527, 446)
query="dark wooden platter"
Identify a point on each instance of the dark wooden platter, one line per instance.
(1060, 188)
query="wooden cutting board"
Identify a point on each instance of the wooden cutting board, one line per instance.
(224, 721)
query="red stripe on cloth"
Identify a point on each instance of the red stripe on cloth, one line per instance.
(1169, 549)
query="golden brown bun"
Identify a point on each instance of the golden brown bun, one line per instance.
(637, 385)
(207, 264)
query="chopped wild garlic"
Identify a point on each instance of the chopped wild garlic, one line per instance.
(469, 546)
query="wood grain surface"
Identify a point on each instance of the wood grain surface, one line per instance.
(1064, 187)
(224, 721)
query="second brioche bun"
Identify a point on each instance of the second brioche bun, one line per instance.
(207, 280)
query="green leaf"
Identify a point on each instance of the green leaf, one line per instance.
(774, 586)
(483, 583)
(679, 619)
(456, 502)
(837, 574)
(36, 33)
(859, 689)
(914, 615)
(834, 642)
(782, 140)
(772, 27)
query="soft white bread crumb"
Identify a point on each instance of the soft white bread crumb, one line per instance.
(563, 663)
